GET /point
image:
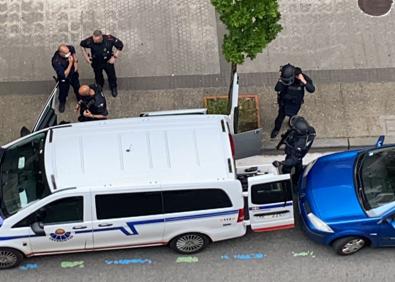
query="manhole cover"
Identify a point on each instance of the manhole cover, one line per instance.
(375, 7)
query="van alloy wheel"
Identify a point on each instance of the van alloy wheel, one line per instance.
(189, 243)
(7, 259)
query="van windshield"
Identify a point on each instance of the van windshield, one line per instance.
(22, 174)
(377, 175)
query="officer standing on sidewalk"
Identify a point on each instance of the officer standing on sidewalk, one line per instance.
(298, 141)
(65, 64)
(102, 57)
(290, 88)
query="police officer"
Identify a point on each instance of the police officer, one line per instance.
(297, 140)
(65, 64)
(290, 88)
(102, 57)
(93, 105)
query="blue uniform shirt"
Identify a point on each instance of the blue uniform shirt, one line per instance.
(60, 63)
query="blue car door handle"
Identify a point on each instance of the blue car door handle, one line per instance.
(105, 224)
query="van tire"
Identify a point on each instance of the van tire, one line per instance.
(349, 245)
(189, 243)
(10, 258)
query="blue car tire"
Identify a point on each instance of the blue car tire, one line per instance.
(349, 245)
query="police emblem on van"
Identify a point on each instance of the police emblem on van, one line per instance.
(60, 235)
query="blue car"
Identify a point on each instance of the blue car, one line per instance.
(347, 200)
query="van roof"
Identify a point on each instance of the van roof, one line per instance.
(135, 152)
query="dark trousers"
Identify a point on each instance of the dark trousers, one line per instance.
(110, 71)
(282, 113)
(64, 86)
(293, 163)
(280, 118)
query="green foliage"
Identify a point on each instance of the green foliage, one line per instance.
(248, 117)
(251, 24)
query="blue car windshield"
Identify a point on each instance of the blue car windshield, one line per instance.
(22, 174)
(377, 176)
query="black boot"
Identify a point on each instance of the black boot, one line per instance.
(274, 133)
(62, 107)
(114, 92)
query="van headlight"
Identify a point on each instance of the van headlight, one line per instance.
(308, 168)
(319, 224)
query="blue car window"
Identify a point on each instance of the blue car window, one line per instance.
(378, 177)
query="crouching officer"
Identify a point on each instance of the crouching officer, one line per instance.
(102, 57)
(93, 105)
(290, 88)
(297, 140)
(65, 64)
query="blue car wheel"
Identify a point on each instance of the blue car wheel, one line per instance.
(349, 245)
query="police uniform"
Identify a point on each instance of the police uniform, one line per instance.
(290, 99)
(101, 53)
(96, 104)
(297, 145)
(60, 64)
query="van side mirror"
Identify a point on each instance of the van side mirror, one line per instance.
(380, 141)
(24, 131)
(38, 228)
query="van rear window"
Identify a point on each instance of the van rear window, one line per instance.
(194, 200)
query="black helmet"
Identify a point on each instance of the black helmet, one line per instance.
(299, 124)
(287, 76)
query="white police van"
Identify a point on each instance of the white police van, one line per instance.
(152, 180)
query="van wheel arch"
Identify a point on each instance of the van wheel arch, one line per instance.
(176, 242)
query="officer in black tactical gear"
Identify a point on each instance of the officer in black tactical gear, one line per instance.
(297, 140)
(290, 88)
(93, 105)
(102, 57)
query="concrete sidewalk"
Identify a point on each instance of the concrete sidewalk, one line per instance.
(343, 114)
(173, 59)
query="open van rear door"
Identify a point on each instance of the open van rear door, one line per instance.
(249, 143)
(270, 204)
(47, 117)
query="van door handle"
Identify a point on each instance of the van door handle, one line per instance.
(105, 224)
(79, 227)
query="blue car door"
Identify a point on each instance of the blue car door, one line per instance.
(387, 231)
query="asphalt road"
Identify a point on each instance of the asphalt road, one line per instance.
(277, 256)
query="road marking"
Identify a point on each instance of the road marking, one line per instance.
(187, 260)
(72, 264)
(29, 266)
(244, 257)
(128, 261)
(304, 254)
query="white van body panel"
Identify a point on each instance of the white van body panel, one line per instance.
(139, 151)
(218, 224)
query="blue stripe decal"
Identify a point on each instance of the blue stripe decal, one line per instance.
(132, 225)
(14, 237)
(272, 206)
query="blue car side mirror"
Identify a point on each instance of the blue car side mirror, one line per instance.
(380, 141)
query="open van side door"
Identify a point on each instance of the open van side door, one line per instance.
(249, 143)
(47, 117)
(270, 204)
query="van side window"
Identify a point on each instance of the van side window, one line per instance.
(271, 192)
(128, 205)
(60, 211)
(193, 200)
